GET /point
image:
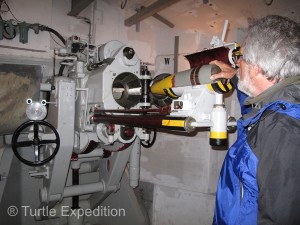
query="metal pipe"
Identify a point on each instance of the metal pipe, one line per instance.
(89, 167)
(224, 30)
(83, 189)
(202, 124)
(76, 164)
(219, 99)
(162, 110)
(75, 181)
(147, 121)
(176, 51)
(134, 168)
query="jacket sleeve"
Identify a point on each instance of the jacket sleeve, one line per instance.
(275, 141)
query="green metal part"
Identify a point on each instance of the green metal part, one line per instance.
(24, 28)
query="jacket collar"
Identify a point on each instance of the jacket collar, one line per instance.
(271, 94)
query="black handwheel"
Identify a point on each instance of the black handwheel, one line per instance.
(36, 142)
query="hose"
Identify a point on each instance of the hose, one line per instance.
(61, 70)
(45, 28)
(149, 144)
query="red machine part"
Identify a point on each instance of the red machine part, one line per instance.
(206, 56)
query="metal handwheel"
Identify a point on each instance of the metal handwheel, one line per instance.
(37, 143)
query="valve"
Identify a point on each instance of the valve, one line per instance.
(37, 143)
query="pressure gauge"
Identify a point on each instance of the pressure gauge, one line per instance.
(36, 110)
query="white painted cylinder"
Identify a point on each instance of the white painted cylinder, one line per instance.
(218, 130)
(134, 169)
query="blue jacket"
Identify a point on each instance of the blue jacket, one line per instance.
(238, 189)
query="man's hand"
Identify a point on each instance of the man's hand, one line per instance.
(227, 71)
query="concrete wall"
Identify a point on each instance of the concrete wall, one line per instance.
(183, 168)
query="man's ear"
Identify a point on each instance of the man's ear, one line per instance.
(258, 70)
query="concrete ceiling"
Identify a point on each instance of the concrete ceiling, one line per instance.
(209, 15)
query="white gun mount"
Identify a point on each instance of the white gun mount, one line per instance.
(104, 105)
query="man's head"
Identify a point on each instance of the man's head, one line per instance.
(271, 50)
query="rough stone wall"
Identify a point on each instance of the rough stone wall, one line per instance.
(14, 90)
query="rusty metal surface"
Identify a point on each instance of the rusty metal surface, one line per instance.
(206, 56)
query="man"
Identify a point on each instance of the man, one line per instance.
(260, 178)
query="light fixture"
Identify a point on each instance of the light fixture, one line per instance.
(36, 110)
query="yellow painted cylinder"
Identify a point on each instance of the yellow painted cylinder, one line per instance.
(159, 87)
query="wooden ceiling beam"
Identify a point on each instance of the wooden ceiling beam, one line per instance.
(163, 20)
(149, 11)
(159, 18)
